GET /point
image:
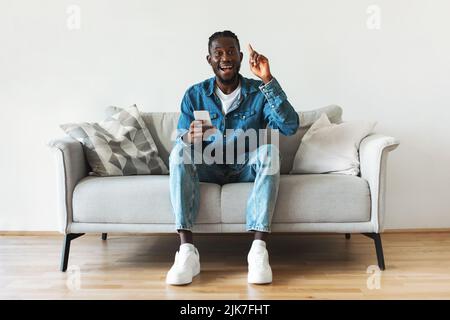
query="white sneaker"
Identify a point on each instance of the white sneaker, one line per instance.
(259, 270)
(185, 267)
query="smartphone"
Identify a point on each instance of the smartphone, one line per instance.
(203, 115)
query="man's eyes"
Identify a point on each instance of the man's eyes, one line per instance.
(219, 53)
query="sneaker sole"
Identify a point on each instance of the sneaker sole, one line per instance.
(181, 283)
(266, 280)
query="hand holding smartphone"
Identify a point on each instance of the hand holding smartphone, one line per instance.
(204, 116)
(198, 127)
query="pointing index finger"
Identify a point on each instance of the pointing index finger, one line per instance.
(250, 48)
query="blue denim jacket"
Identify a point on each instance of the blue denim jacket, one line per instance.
(259, 106)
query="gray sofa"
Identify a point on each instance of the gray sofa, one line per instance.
(141, 204)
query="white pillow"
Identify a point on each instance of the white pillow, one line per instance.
(331, 148)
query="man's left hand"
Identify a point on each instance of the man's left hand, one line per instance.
(259, 65)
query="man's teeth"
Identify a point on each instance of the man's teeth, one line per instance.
(229, 67)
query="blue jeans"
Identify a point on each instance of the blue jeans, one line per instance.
(262, 166)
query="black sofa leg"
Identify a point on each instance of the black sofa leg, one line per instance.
(347, 236)
(104, 236)
(66, 249)
(379, 248)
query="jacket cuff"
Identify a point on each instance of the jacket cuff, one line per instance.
(273, 93)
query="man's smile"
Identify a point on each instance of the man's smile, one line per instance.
(226, 67)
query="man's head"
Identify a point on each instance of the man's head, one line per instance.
(225, 56)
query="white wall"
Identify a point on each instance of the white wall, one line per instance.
(149, 52)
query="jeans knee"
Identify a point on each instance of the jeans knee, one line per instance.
(176, 154)
(270, 150)
(269, 158)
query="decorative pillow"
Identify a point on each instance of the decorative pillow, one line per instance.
(119, 146)
(331, 148)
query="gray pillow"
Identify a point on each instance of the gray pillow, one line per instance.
(121, 145)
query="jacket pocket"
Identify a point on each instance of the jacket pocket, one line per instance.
(213, 115)
(244, 115)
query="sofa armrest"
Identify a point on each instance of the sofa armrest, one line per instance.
(71, 167)
(373, 152)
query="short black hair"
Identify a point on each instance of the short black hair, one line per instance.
(223, 34)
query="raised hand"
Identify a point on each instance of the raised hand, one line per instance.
(259, 65)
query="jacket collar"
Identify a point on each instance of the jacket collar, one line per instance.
(247, 86)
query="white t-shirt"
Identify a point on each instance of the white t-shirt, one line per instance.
(228, 99)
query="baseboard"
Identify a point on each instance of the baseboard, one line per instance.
(56, 233)
(29, 233)
(418, 230)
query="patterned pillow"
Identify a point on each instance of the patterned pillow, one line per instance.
(119, 146)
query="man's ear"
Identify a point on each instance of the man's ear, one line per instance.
(208, 58)
(242, 55)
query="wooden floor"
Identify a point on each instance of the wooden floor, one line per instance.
(316, 266)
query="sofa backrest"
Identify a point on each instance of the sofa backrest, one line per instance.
(163, 125)
(163, 128)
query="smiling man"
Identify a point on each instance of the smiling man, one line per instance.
(242, 104)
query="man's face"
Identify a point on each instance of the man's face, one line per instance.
(225, 59)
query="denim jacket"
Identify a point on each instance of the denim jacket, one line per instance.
(259, 106)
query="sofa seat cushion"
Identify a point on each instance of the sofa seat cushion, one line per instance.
(136, 199)
(308, 198)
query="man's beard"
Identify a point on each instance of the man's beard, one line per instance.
(228, 81)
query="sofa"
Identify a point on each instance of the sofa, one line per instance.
(334, 203)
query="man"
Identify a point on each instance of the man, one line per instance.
(238, 103)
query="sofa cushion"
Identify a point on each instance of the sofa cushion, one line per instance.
(136, 199)
(305, 198)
